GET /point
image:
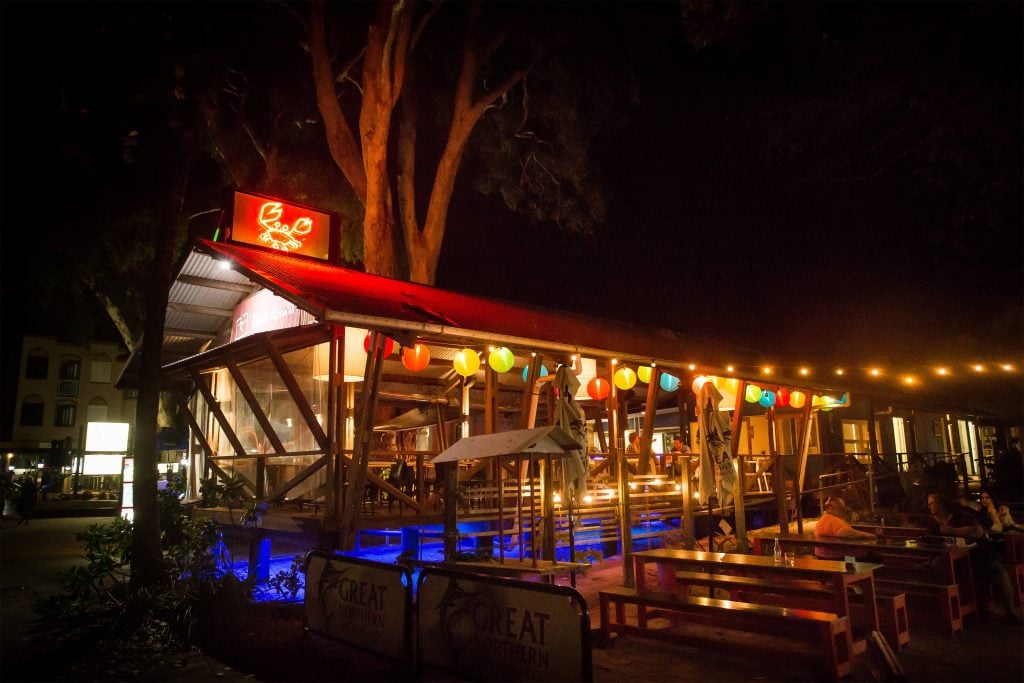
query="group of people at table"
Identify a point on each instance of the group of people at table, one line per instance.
(979, 523)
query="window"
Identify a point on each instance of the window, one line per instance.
(100, 373)
(65, 415)
(97, 410)
(855, 437)
(67, 378)
(32, 412)
(37, 365)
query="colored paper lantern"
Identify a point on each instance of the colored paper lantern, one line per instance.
(668, 382)
(466, 362)
(698, 382)
(389, 345)
(782, 398)
(624, 378)
(415, 358)
(767, 399)
(501, 359)
(643, 373)
(543, 372)
(598, 388)
(797, 399)
(753, 393)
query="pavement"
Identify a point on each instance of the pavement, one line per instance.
(32, 555)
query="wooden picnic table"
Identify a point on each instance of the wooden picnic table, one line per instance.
(836, 578)
(950, 562)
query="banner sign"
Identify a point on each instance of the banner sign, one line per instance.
(493, 629)
(276, 224)
(265, 311)
(359, 602)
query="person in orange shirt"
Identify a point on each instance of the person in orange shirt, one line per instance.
(833, 524)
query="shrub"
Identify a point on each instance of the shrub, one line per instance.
(97, 604)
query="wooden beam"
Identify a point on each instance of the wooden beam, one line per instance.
(200, 310)
(210, 283)
(218, 414)
(297, 395)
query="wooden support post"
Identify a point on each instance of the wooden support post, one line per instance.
(352, 517)
(804, 447)
(741, 475)
(650, 412)
(687, 472)
(622, 477)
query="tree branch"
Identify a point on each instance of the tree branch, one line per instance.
(340, 140)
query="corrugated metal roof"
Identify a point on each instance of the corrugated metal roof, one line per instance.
(336, 293)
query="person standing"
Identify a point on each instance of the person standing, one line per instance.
(26, 500)
(633, 443)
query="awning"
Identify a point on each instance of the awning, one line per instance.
(538, 441)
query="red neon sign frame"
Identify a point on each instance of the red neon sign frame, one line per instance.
(273, 223)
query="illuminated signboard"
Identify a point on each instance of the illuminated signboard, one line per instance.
(265, 311)
(276, 224)
(107, 436)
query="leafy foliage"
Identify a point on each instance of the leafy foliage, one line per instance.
(97, 605)
(288, 583)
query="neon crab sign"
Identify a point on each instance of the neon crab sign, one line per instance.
(278, 235)
(269, 222)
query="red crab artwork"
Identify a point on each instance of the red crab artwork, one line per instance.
(278, 235)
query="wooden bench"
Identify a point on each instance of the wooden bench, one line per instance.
(803, 594)
(832, 631)
(892, 617)
(939, 598)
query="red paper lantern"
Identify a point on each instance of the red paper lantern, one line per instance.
(782, 398)
(389, 345)
(415, 358)
(598, 389)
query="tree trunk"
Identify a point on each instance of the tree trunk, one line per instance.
(147, 563)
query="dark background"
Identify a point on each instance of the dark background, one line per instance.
(821, 183)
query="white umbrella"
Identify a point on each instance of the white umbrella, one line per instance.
(715, 446)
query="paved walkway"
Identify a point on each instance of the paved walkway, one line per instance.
(31, 556)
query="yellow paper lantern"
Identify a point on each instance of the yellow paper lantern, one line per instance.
(624, 378)
(753, 393)
(644, 373)
(797, 399)
(466, 362)
(501, 359)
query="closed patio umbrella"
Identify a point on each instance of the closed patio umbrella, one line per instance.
(715, 447)
(571, 419)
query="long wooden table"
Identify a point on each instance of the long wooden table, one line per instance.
(951, 563)
(839, 577)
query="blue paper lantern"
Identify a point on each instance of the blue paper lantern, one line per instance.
(767, 399)
(668, 382)
(543, 372)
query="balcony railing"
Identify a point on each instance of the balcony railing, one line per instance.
(67, 387)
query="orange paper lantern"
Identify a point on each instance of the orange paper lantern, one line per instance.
(416, 358)
(598, 389)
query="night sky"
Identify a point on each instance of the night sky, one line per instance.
(819, 182)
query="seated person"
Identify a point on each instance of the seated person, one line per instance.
(997, 517)
(965, 500)
(833, 524)
(948, 519)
